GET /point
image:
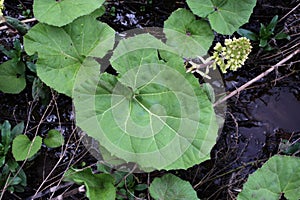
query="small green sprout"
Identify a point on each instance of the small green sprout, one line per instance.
(265, 35)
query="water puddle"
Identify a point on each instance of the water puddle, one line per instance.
(278, 110)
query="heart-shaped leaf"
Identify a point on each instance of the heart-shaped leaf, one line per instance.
(152, 114)
(62, 51)
(12, 77)
(23, 148)
(62, 12)
(98, 186)
(280, 175)
(225, 16)
(171, 187)
(190, 37)
(54, 139)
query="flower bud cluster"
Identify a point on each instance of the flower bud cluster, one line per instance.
(233, 55)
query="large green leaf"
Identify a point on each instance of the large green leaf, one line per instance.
(146, 45)
(23, 148)
(62, 12)
(280, 175)
(62, 51)
(12, 77)
(152, 114)
(190, 37)
(170, 187)
(98, 186)
(225, 16)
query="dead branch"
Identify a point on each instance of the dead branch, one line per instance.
(243, 87)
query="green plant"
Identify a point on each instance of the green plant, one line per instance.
(225, 16)
(152, 116)
(191, 37)
(197, 32)
(15, 24)
(107, 185)
(278, 177)
(12, 72)
(112, 9)
(68, 64)
(152, 113)
(289, 148)
(98, 186)
(7, 136)
(127, 185)
(40, 91)
(171, 187)
(11, 176)
(60, 13)
(124, 186)
(53, 139)
(63, 50)
(156, 103)
(23, 148)
(25, 11)
(266, 33)
(15, 147)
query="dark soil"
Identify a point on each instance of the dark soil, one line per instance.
(257, 119)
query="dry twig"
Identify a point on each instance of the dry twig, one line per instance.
(243, 87)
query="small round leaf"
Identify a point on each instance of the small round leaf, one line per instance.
(171, 187)
(54, 139)
(12, 77)
(23, 148)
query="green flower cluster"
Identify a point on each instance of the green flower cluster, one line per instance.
(233, 55)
